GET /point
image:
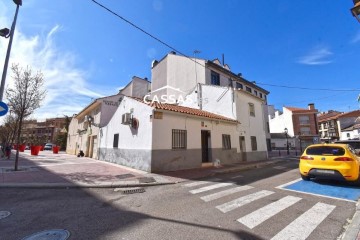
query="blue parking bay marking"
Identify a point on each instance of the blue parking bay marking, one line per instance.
(340, 191)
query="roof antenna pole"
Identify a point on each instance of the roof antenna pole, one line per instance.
(197, 85)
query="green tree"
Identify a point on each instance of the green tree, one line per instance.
(25, 97)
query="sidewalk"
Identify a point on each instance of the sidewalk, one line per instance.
(61, 170)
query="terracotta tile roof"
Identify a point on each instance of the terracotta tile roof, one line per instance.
(186, 110)
(325, 117)
(353, 127)
(328, 116)
(355, 113)
(300, 110)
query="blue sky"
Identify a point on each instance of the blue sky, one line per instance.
(85, 52)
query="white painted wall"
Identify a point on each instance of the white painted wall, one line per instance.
(162, 130)
(352, 134)
(249, 125)
(282, 121)
(219, 100)
(177, 72)
(128, 137)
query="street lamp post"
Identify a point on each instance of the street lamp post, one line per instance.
(356, 9)
(5, 33)
(287, 141)
(300, 142)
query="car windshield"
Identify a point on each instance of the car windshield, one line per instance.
(326, 150)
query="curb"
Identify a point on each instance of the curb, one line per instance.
(246, 167)
(81, 185)
(352, 230)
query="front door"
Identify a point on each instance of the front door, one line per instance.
(205, 140)
(242, 148)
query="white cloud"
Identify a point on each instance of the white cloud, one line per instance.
(68, 89)
(318, 56)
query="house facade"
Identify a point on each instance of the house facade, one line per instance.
(42, 132)
(84, 127)
(212, 87)
(157, 137)
(300, 123)
(335, 125)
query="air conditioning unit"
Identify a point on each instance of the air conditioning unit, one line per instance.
(126, 119)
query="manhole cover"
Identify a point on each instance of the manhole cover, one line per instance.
(147, 180)
(4, 214)
(55, 234)
(123, 176)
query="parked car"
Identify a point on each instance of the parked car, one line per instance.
(48, 146)
(355, 144)
(330, 161)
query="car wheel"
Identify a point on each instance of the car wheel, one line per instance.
(305, 178)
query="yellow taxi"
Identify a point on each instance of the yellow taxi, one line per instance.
(330, 161)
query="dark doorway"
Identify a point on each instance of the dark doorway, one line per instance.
(205, 140)
(242, 148)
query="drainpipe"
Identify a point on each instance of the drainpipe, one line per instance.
(200, 96)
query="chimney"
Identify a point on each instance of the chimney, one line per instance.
(311, 106)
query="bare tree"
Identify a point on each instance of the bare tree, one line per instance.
(25, 97)
(8, 130)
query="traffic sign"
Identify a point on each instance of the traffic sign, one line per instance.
(3, 108)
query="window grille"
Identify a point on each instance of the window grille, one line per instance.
(179, 140)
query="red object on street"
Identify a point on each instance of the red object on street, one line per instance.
(35, 150)
(22, 147)
(56, 149)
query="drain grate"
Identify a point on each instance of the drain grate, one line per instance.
(123, 176)
(55, 234)
(4, 214)
(147, 180)
(130, 190)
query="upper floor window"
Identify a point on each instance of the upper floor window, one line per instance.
(304, 120)
(252, 109)
(239, 85)
(248, 89)
(260, 94)
(305, 131)
(215, 78)
(255, 93)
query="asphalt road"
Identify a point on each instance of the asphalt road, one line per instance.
(244, 205)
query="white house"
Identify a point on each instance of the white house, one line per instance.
(158, 137)
(84, 126)
(214, 88)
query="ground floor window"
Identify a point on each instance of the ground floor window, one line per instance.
(116, 140)
(253, 143)
(179, 140)
(226, 142)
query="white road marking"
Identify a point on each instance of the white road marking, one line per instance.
(261, 215)
(304, 225)
(238, 176)
(229, 206)
(211, 187)
(224, 193)
(194, 184)
(288, 183)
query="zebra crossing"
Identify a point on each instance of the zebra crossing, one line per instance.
(300, 228)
